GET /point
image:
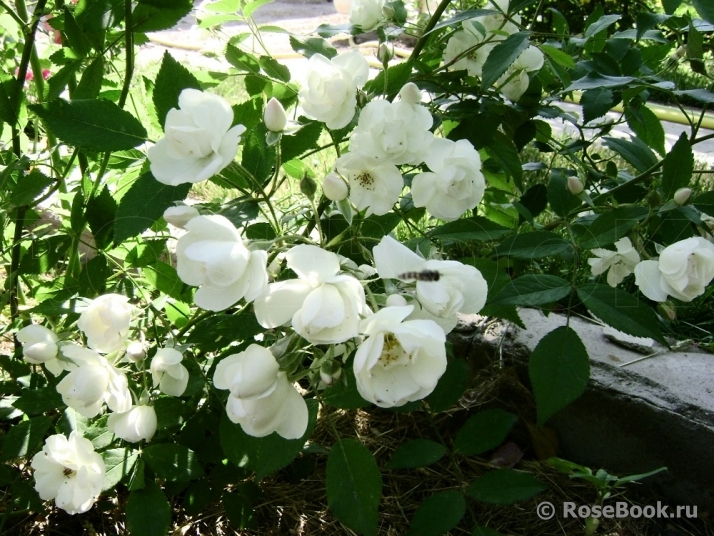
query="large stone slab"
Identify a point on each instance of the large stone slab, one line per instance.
(636, 414)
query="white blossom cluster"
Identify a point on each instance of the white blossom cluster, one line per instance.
(68, 470)
(469, 48)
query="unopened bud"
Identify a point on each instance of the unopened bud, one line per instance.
(179, 216)
(330, 372)
(396, 300)
(334, 188)
(135, 352)
(680, 52)
(575, 185)
(410, 93)
(385, 52)
(682, 195)
(667, 311)
(274, 117)
(308, 187)
(388, 11)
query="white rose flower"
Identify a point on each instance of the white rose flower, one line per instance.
(683, 271)
(374, 185)
(460, 288)
(514, 82)
(496, 22)
(323, 305)
(212, 256)
(330, 92)
(261, 399)
(134, 425)
(393, 132)
(400, 361)
(618, 264)
(91, 382)
(199, 140)
(39, 346)
(455, 183)
(472, 61)
(70, 472)
(167, 372)
(367, 15)
(179, 216)
(105, 322)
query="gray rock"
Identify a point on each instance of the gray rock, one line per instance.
(638, 412)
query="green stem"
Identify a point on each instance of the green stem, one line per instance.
(428, 28)
(23, 26)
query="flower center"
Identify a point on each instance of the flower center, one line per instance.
(366, 180)
(393, 353)
(69, 472)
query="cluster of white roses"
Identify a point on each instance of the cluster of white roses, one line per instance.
(470, 47)
(68, 470)
(682, 271)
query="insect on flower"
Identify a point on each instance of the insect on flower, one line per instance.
(424, 275)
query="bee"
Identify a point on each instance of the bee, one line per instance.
(424, 275)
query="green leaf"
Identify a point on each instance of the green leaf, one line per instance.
(250, 7)
(603, 22)
(451, 386)
(239, 510)
(274, 69)
(308, 46)
(533, 245)
(416, 453)
(156, 15)
(397, 76)
(648, 128)
(559, 370)
(24, 438)
(241, 60)
(505, 486)
(354, 486)
(484, 431)
(220, 330)
(172, 79)
(613, 225)
(621, 310)
(476, 228)
(144, 204)
(531, 290)
(34, 401)
(561, 58)
(264, 455)
(559, 197)
(702, 95)
(148, 512)
(678, 167)
(7, 109)
(505, 152)
(91, 82)
(502, 57)
(29, 187)
(302, 141)
(172, 462)
(597, 80)
(119, 463)
(101, 213)
(164, 278)
(97, 125)
(438, 514)
(634, 151)
(257, 158)
(596, 103)
(670, 6)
